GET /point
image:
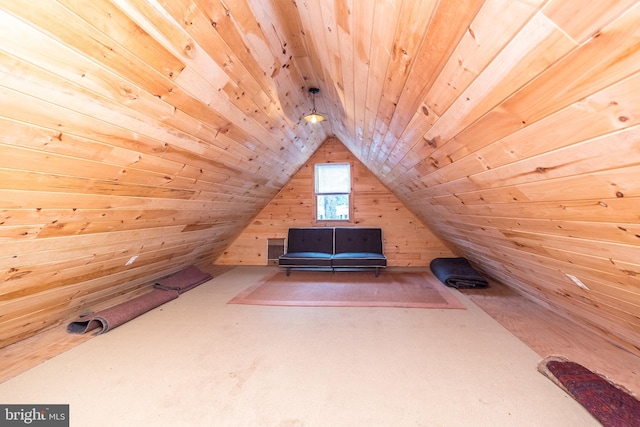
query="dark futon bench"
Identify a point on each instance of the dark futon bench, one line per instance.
(334, 248)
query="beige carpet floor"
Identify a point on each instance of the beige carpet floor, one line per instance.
(197, 361)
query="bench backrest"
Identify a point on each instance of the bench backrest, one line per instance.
(358, 239)
(317, 239)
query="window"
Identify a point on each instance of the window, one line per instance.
(333, 189)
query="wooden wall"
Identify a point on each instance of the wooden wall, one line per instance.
(129, 129)
(529, 165)
(407, 241)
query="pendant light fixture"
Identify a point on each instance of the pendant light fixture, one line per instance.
(314, 117)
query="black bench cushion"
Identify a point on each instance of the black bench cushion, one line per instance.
(367, 240)
(303, 239)
(305, 259)
(312, 247)
(358, 247)
(359, 259)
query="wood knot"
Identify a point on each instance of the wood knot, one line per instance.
(425, 110)
(541, 169)
(431, 143)
(189, 50)
(619, 194)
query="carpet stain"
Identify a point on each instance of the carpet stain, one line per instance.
(242, 376)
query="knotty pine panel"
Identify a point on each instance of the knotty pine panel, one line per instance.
(479, 45)
(407, 242)
(583, 20)
(448, 24)
(592, 123)
(600, 62)
(405, 48)
(176, 96)
(107, 153)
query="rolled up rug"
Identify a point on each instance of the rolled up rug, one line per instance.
(611, 404)
(457, 273)
(183, 280)
(115, 316)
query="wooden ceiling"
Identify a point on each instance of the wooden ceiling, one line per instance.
(161, 129)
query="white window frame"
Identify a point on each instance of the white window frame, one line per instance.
(342, 192)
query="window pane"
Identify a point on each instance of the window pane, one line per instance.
(333, 178)
(332, 207)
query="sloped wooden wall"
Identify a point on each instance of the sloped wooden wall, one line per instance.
(125, 131)
(541, 181)
(407, 241)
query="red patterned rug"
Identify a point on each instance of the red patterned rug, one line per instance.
(609, 404)
(350, 289)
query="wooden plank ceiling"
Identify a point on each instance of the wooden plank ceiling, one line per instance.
(160, 128)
